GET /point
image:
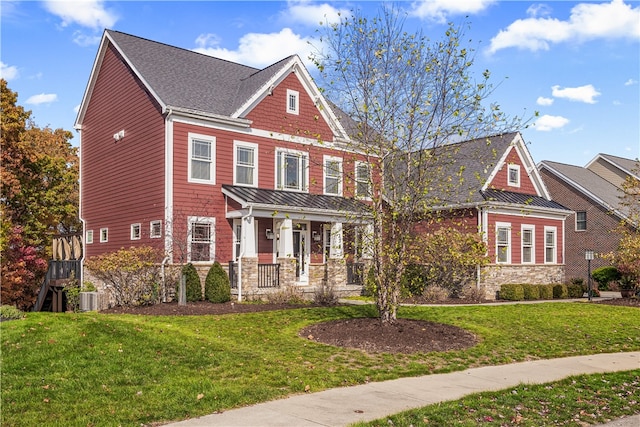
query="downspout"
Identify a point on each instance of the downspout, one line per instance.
(242, 246)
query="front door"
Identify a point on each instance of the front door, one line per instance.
(300, 251)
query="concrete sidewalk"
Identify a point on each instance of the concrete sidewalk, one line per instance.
(343, 406)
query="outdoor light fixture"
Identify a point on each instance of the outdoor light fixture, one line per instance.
(588, 255)
(315, 235)
(118, 135)
(269, 234)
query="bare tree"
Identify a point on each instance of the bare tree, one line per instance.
(405, 100)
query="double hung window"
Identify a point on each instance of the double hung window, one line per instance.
(503, 243)
(513, 178)
(363, 180)
(201, 239)
(201, 159)
(528, 236)
(245, 164)
(550, 248)
(292, 170)
(581, 221)
(333, 176)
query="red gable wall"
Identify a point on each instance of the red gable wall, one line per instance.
(499, 182)
(122, 181)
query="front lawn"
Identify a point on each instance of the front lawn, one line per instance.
(97, 369)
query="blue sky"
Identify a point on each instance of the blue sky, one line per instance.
(576, 63)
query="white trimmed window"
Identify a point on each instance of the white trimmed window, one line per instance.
(513, 178)
(503, 243)
(528, 244)
(550, 246)
(333, 176)
(89, 237)
(363, 180)
(293, 102)
(292, 172)
(201, 239)
(245, 161)
(135, 232)
(581, 221)
(155, 229)
(104, 235)
(202, 154)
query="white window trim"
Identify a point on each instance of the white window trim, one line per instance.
(151, 233)
(279, 174)
(133, 228)
(555, 244)
(506, 225)
(212, 244)
(89, 238)
(532, 228)
(509, 169)
(212, 140)
(324, 173)
(585, 222)
(295, 94)
(355, 180)
(104, 235)
(248, 145)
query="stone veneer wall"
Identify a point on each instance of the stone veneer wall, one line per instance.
(494, 276)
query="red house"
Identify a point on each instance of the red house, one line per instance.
(502, 195)
(209, 160)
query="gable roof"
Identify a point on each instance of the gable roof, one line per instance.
(628, 166)
(590, 184)
(186, 81)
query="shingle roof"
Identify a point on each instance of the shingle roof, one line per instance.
(283, 200)
(588, 183)
(627, 165)
(520, 199)
(185, 79)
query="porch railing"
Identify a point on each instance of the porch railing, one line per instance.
(58, 270)
(268, 275)
(355, 273)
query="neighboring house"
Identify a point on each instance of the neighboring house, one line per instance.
(209, 160)
(593, 192)
(502, 194)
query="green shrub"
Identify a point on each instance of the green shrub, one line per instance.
(414, 280)
(193, 285)
(546, 291)
(575, 290)
(560, 291)
(531, 292)
(435, 293)
(370, 288)
(72, 290)
(10, 312)
(605, 275)
(216, 286)
(576, 281)
(512, 292)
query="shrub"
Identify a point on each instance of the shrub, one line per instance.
(575, 290)
(287, 295)
(192, 283)
(325, 295)
(414, 280)
(531, 292)
(605, 275)
(472, 294)
(512, 292)
(576, 281)
(370, 286)
(435, 293)
(72, 290)
(130, 275)
(560, 291)
(216, 285)
(8, 312)
(546, 291)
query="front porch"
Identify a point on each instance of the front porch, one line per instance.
(308, 241)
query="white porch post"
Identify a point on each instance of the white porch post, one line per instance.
(336, 249)
(367, 241)
(248, 248)
(286, 239)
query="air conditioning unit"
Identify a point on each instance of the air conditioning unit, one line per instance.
(89, 301)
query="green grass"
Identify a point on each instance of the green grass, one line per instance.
(96, 369)
(575, 401)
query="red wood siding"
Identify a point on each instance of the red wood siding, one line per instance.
(271, 114)
(464, 220)
(516, 236)
(123, 181)
(499, 182)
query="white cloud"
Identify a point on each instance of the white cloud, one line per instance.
(588, 21)
(584, 94)
(439, 10)
(87, 13)
(258, 50)
(43, 98)
(313, 14)
(547, 123)
(84, 40)
(8, 72)
(544, 101)
(631, 82)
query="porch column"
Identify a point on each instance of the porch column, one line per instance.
(248, 248)
(285, 248)
(336, 249)
(367, 241)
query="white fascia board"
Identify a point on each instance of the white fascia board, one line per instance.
(498, 166)
(532, 170)
(97, 62)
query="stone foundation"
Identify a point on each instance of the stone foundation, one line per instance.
(494, 276)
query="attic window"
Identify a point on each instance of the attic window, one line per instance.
(513, 178)
(293, 101)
